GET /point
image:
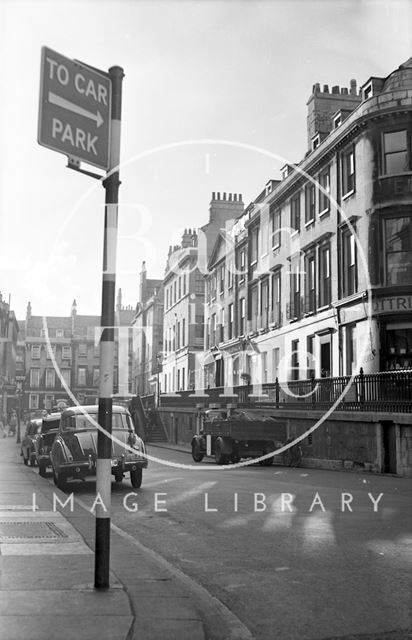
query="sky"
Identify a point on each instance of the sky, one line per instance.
(214, 99)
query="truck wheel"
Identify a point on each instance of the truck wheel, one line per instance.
(220, 457)
(197, 454)
(136, 477)
(266, 463)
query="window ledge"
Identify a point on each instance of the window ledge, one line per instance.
(394, 175)
(309, 223)
(323, 213)
(348, 195)
(294, 233)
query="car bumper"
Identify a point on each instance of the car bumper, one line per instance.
(83, 469)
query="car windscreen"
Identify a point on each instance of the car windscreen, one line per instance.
(50, 424)
(81, 422)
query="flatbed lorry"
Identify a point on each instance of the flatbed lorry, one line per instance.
(233, 434)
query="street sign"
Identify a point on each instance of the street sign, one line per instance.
(75, 109)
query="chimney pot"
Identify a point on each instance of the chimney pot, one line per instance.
(325, 88)
(224, 195)
(230, 197)
(335, 89)
(317, 87)
(218, 195)
(353, 87)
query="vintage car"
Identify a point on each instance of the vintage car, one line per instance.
(45, 438)
(28, 443)
(74, 451)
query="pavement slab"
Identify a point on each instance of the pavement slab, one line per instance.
(69, 627)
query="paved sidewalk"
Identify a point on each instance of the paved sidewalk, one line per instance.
(47, 572)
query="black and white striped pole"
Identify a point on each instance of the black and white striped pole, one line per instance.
(104, 442)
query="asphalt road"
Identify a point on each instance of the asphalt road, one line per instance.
(277, 547)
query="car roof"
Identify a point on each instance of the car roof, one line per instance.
(52, 416)
(93, 408)
(36, 421)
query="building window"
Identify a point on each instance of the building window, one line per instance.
(395, 152)
(178, 336)
(295, 310)
(294, 361)
(50, 378)
(242, 316)
(242, 265)
(48, 402)
(310, 203)
(310, 284)
(66, 353)
(325, 294)
(35, 352)
(34, 377)
(34, 401)
(275, 223)
(183, 332)
(167, 298)
(254, 246)
(230, 275)
(66, 374)
(59, 333)
(230, 325)
(310, 349)
(264, 303)
(276, 315)
(81, 376)
(254, 309)
(213, 325)
(184, 284)
(82, 349)
(50, 350)
(96, 376)
(295, 213)
(349, 275)
(350, 339)
(180, 287)
(324, 182)
(264, 362)
(348, 172)
(398, 244)
(221, 279)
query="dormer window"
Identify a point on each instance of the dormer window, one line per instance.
(315, 141)
(368, 91)
(284, 172)
(268, 188)
(337, 121)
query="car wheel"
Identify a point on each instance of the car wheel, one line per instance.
(59, 481)
(197, 454)
(136, 477)
(42, 469)
(220, 457)
(118, 477)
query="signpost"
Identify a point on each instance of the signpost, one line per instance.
(80, 116)
(75, 109)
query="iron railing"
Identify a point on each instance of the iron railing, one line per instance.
(389, 391)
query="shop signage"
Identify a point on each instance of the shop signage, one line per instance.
(395, 304)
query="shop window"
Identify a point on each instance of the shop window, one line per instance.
(295, 213)
(324, 276)
(398, 242)
(348, 171)
(395, 152)
(310, 203)
(348, 264)
(398, 347)
(350, 340)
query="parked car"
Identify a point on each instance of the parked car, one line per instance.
(74, 451)
(45, 438)
(28, 444)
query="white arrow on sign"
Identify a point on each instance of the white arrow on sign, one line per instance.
(71, 106)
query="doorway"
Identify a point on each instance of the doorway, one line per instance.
(325, 360)
(389, 446)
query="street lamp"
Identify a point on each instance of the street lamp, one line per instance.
(19, 393)
(159, 360)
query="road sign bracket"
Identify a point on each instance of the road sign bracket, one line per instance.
(74, 163)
